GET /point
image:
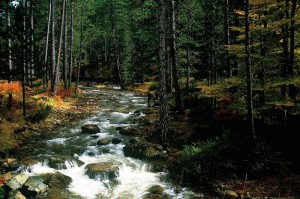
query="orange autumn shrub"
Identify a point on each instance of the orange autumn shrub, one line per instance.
(14, 88)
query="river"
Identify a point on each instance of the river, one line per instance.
(69, 143)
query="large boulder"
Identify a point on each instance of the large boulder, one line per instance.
(128, 131)
(10, 164)
(116, 140)
(103, 142)
(59, 180)
(16, 182)
(60, 162)
(34, 186)
(90, 129)
(16, 195)
(143, 150)
(156, 192)
(102, 170)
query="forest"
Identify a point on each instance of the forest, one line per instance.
(149, 99)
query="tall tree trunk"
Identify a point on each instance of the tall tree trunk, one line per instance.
(117, 60)
(249, 72)
(178, 97)
(292, 38)
(53, 56)
(31, 43)
(9, 57)
(162, 73)
(285, 43)
(61, 31)
(65, 62)
(71, 45)
(227, 37)
(79, 57)
(45, 79)
(188, 65)
(24, 60)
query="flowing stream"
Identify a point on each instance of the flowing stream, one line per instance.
(134, 177)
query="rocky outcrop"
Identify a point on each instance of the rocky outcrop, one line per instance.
(59, 180)
(156, 192)
(103, 142)
(102, 170)
(16, 182)
(142, 149)
(128, 131)
(10, 164)
(16, 195)
(90, 129)
(116, 141)
(58, 162)
(34, 186)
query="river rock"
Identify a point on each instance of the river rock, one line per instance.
(90, 129)
(129, 131)
(142, 150)
(156, 192)
(104, 141)
(102, 170)
(59, 180)
(16, 195)
(59, 163)
(116, 141)
(230, 194)
(156, 189)
(34, 186)
(10, 164)
(17, 182)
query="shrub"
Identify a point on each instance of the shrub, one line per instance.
(41, 114)
(154, 86)
(2, 193)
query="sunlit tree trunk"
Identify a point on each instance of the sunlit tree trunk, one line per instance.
(65, 62)
(31, 43)
(9, 57)
(46, 72)
(61, 31)
(79, 57)
(24, 59)
(53, 56)
(71, 45)
(249, 72)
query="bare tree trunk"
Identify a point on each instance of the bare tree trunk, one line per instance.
(61, 31)
(53, 56)
(178, 97)
(9, 57)
(188, 65)
(24, 60)
(65, 62)
(79, 57)
(45, 81)
(249, 72)
(162, 73)
(117, 59)
(227, 37)
(31, 44)
(71, 46)
(292, 38)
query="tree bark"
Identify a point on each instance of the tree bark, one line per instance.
(65, 62)
(53, 56)
(61, 31)
(162, 73)
(227, 37)
(178, 97)
(31, 43)
(292, 38)
(79, 57)
(24, 61)
(9, 54)
(249, 72)
(71, 45)
(45, 82)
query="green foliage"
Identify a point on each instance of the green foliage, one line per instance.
(41, 114)
(189, 152)
(2, 193)
(154, 86)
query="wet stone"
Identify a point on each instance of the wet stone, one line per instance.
(90, 129)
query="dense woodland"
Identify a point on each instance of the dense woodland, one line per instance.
(231, 67)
